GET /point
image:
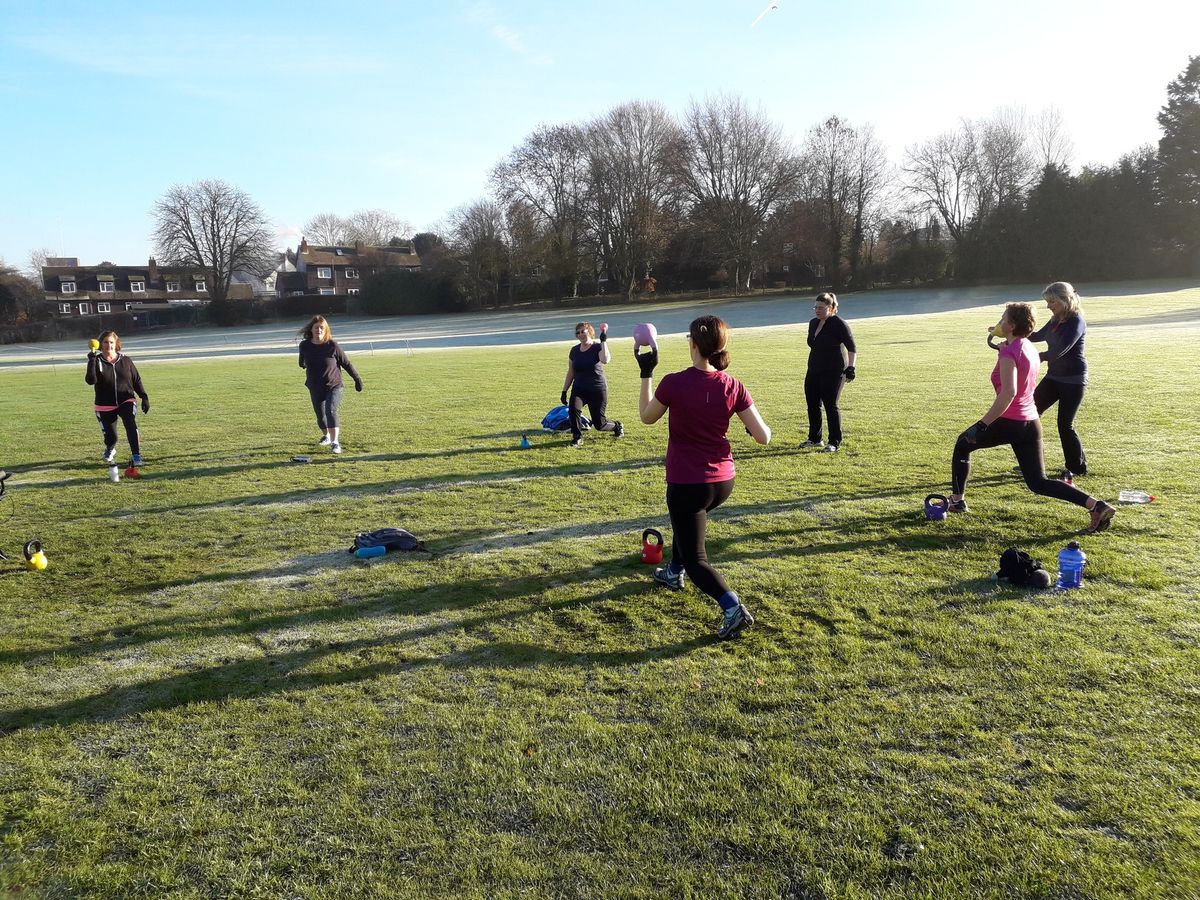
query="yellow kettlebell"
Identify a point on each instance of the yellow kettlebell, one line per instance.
(35, 557)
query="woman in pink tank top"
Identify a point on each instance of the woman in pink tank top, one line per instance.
(1013, 419)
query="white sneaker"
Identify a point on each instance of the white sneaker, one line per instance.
(324, 441)
(335, 447)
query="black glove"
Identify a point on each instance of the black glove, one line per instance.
(975, 432)
(849, 373)
(92, 354)
(146, 405)
(603, 336)
(358, 385)
(563, 398)
(646, 362)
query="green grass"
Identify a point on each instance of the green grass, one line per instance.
(204, 695)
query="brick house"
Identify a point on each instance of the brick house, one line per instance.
(107, 288)
(341, 270)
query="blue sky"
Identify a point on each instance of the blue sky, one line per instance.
(332, 107)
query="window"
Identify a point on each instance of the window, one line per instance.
(128, 306)
(324, 272)
(172, 287)
(103, 307)
(137, 287)
(200, 288)
(352, 291)
(64, 307)
(106, 287)
(68, 287)
(325, 292)
(352, 273)
(85, 309)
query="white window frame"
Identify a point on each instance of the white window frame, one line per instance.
(325, 292)
(68, 287)
(64, 308)
(173, 287)
(325, 272)
(103, 307)
(85, 309)
(201, 286)
(128, 306)
(352, 273)
(107, 287)
(137, 286)
(353, 291)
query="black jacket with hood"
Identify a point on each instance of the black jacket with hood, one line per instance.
(116, 382)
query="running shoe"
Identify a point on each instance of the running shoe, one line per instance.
(1102, 516)
(137, 460)
(110, 454)
(1066, 477)
(809, 444)
(618, 430)
(335, 447)
(578, 442)
(735, 621)
(324, 441)
(830, 448)
(958, 506)
(663, 576)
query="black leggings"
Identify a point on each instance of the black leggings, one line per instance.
(1026, 441)
(1068, 397)
(824, 388)
(597, 402)
(325, 403)
(689, 505)
(108, 424)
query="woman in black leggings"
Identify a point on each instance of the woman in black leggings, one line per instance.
(828, 370)
(587, 384)
(1067, 376)
(1013, 419)
(323, 360)
(700, 471)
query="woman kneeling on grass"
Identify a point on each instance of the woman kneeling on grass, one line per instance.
(700, 472)
(322, 359)
(1013, 419)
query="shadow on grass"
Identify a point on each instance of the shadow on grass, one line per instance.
(284, 671)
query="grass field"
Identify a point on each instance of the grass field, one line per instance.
(205, 696)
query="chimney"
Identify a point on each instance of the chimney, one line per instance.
(152, 271)
(303, 246)
(359, 248)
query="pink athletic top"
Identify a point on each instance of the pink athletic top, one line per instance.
(700, 404)
(1020, 351)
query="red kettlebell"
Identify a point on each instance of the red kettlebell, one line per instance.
(652, 546)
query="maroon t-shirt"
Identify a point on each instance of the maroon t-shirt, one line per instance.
(700, 404)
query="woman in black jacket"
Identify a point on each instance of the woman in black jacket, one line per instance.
(117, 383)
(828, 370)
(1066, 380)
(322, 359)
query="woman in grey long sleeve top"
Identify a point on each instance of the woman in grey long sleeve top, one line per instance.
(1067, 376)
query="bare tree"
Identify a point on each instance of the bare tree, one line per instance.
(734, 168)
(327, 230)
(37, 259)
(548, 172)
(1053, 146)
(630, 188)
(871, 176)
(216, 227)
(942, 175)
(1005, 162)
(477, 236)
(376, 227)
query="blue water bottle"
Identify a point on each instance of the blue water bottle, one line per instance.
(1070, 566)
(368, 552)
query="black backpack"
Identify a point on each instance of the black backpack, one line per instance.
(1018, 567)
(388, 538)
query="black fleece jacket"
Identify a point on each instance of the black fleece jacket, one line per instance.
(116, 382)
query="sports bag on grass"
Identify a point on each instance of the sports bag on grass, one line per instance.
(559, 419)
(388, 538)
(1018, 567)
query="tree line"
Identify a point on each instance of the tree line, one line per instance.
(638, 199)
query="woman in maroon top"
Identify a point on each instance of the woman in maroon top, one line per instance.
(323, 361)
(702, 399)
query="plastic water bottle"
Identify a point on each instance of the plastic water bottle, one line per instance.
(1070, 566)
(1135, 497)
(114, 473)
(368, 552)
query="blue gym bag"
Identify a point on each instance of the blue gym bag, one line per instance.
(559, 419)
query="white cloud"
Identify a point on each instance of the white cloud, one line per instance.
(484, 15)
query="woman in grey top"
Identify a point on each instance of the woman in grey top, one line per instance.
(1067, 376)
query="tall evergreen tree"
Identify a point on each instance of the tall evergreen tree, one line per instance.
(1179, 157)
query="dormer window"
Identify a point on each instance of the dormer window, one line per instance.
(172, 287)
(137, 287)
(200, 286)
(352, 273)
(324, 272)
(106, 287)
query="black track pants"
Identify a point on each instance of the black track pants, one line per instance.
(1026, 441)
(823, 389)
(1068, 397)
(108, 425)
(689, 505)
(596, 400)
